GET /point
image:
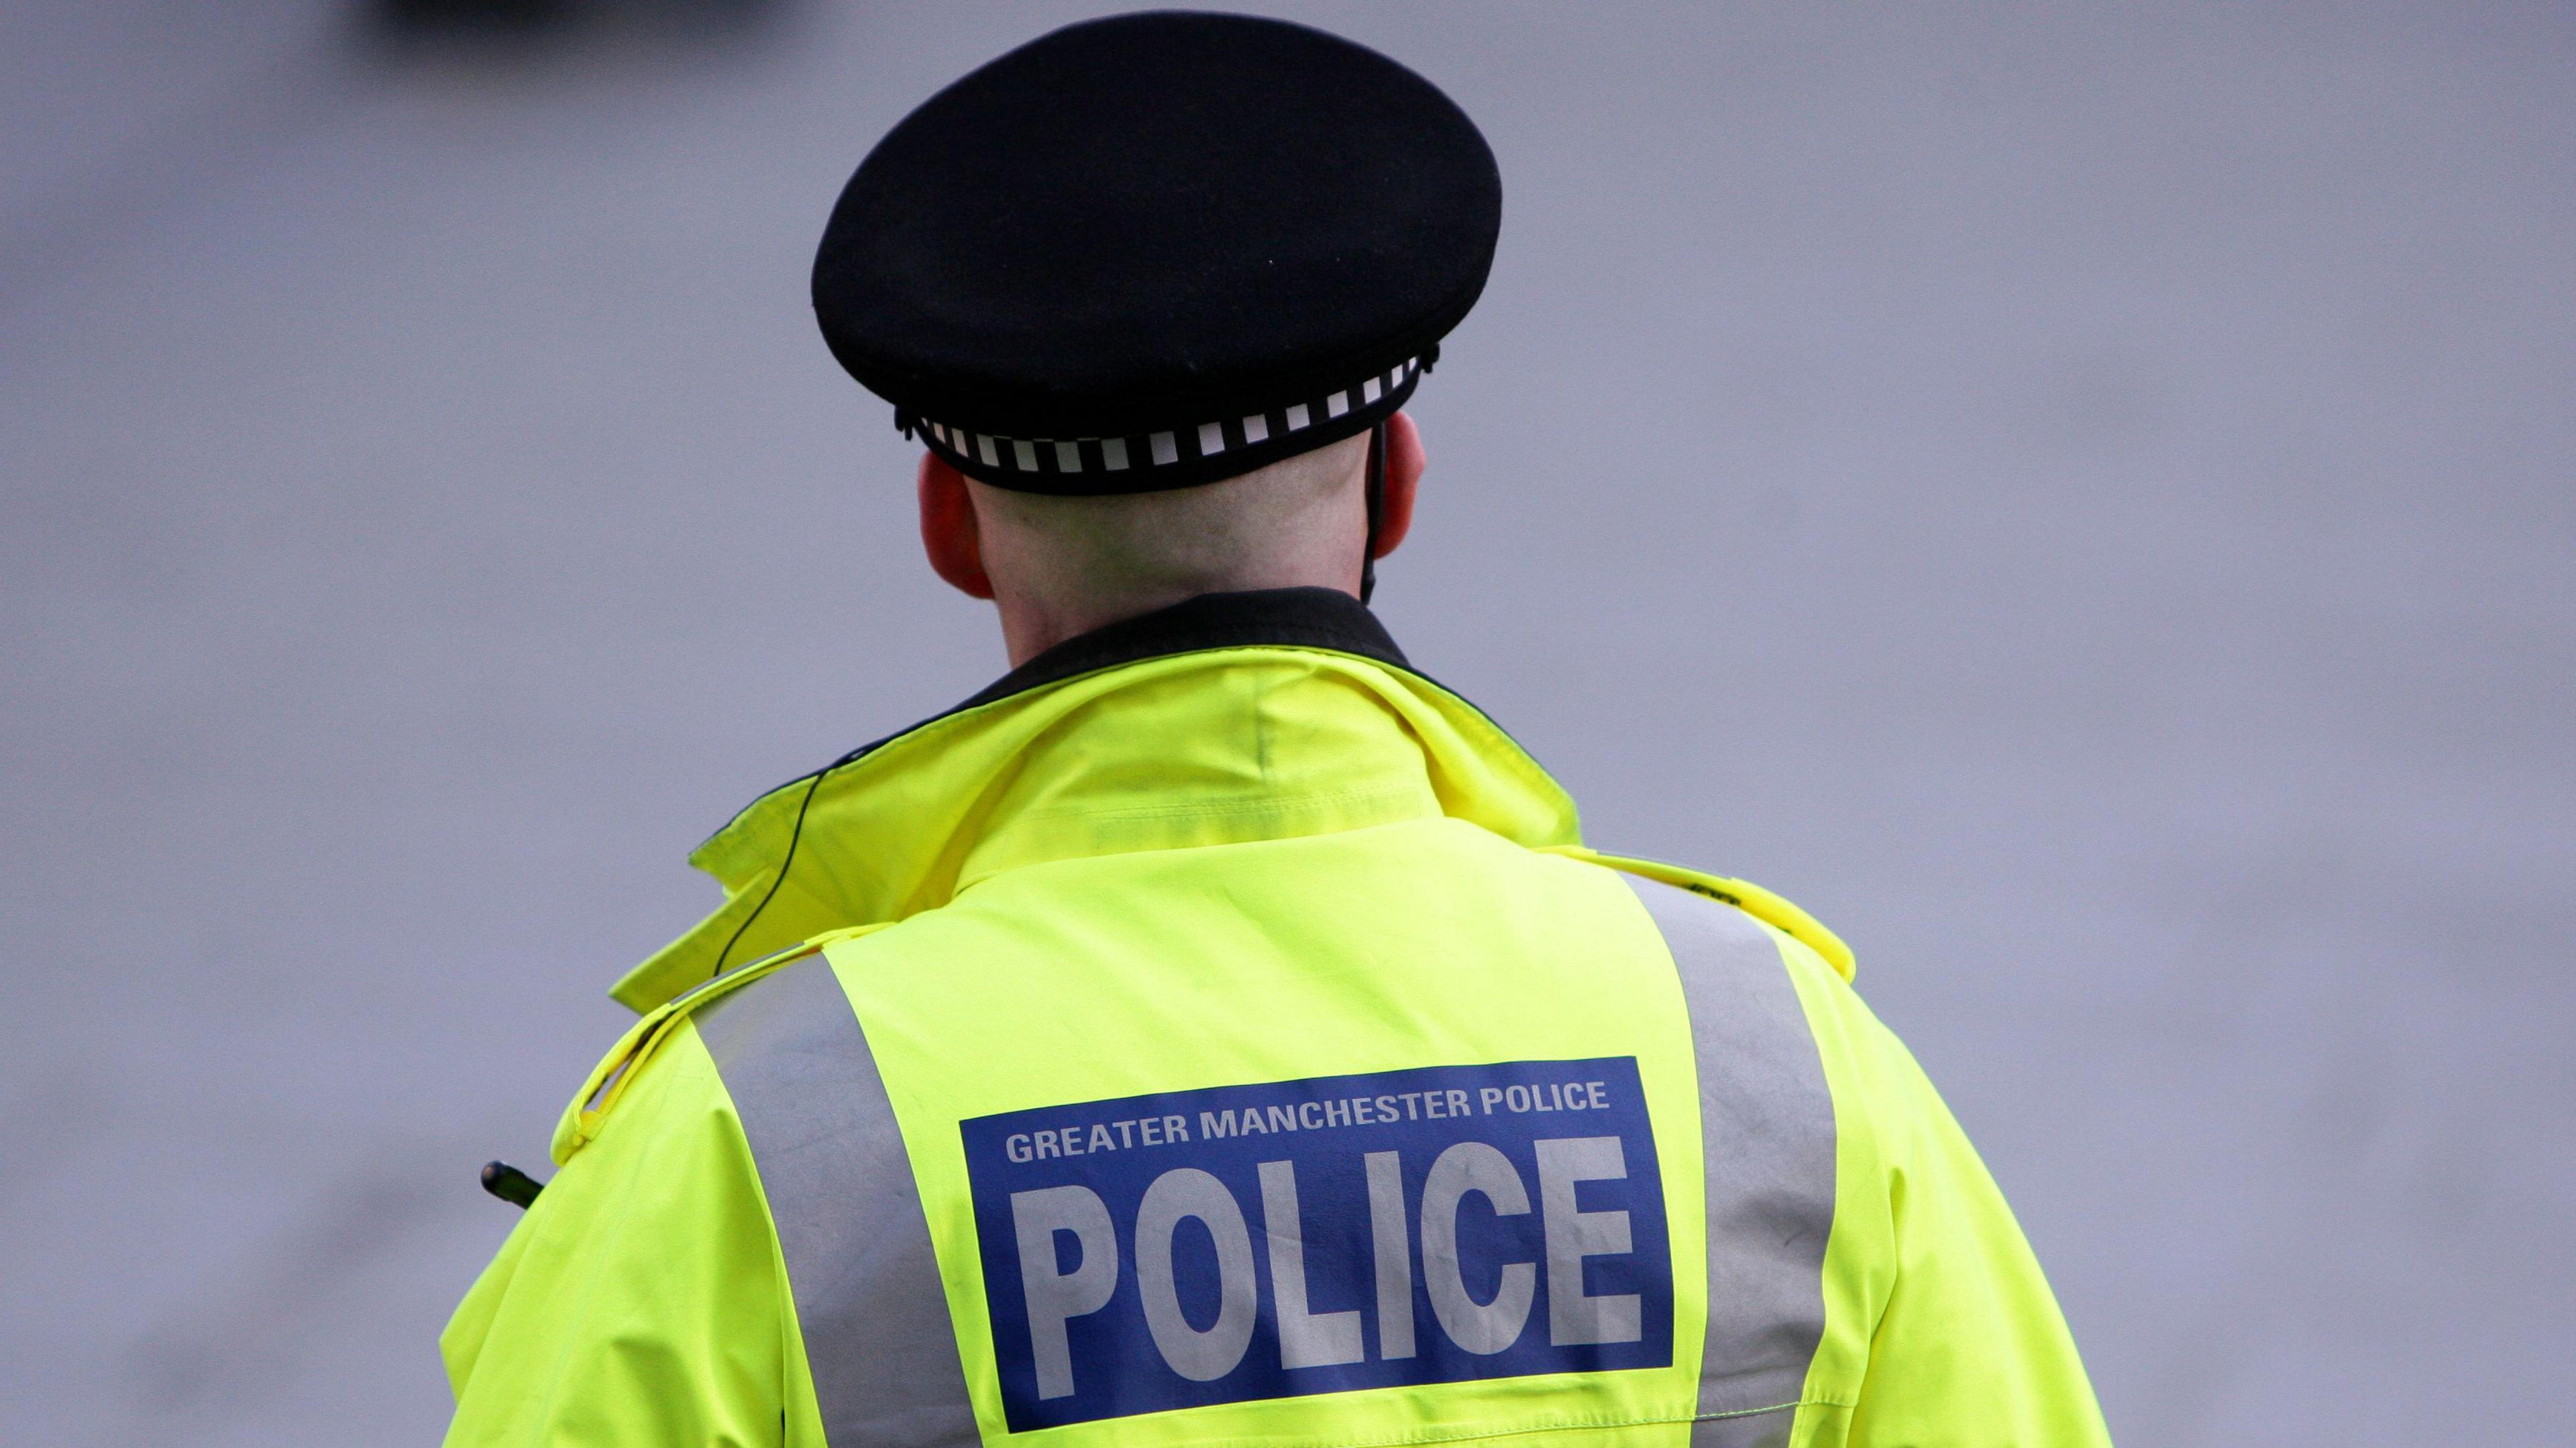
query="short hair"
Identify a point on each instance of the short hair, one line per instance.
(1254, 530)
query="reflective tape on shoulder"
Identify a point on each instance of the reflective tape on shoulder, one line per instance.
(1767, 1120)
(869, 1301)
(1765, 1428)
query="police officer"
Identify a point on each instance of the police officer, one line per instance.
(1216, 1031)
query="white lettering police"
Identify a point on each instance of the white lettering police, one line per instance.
(1056, 1294)
(1269, 1239)
(1099, 1136)
(1083, 1139)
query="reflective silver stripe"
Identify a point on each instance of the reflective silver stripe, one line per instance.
(859, 1259)
(1767, 1428)
(1767, 1120)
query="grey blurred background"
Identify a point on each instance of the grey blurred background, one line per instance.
(2079, 496)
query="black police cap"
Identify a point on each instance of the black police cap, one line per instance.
(1157, 250)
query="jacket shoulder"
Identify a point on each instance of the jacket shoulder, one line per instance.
(1744, 895)
(587, 1113)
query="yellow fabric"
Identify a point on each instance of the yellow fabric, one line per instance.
(1387, 976)
(1744, 895)
(641, 1299)
(607, 1083)
(1227, 866)
(903, 829)
(1939, 1328)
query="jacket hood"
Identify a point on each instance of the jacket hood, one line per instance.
(1226, 719)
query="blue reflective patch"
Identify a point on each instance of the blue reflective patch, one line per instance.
(1315, 1236)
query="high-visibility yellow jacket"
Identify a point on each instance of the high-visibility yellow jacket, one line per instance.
(1216, 1033)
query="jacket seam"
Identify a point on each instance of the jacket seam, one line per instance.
(959, 717)
(1571, 1424)
(1266, 805)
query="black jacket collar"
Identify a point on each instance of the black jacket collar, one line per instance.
(1314, 618)
(1319, 618)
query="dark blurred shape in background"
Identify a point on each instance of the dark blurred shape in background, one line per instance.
(479, 17)
(496, 22)
(239, 81)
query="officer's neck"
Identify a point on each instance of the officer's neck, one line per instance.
(1034, 621)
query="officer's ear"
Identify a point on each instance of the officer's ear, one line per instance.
(1405, 461)
(948, 532)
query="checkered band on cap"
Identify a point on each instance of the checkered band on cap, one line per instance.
(1180, 456)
